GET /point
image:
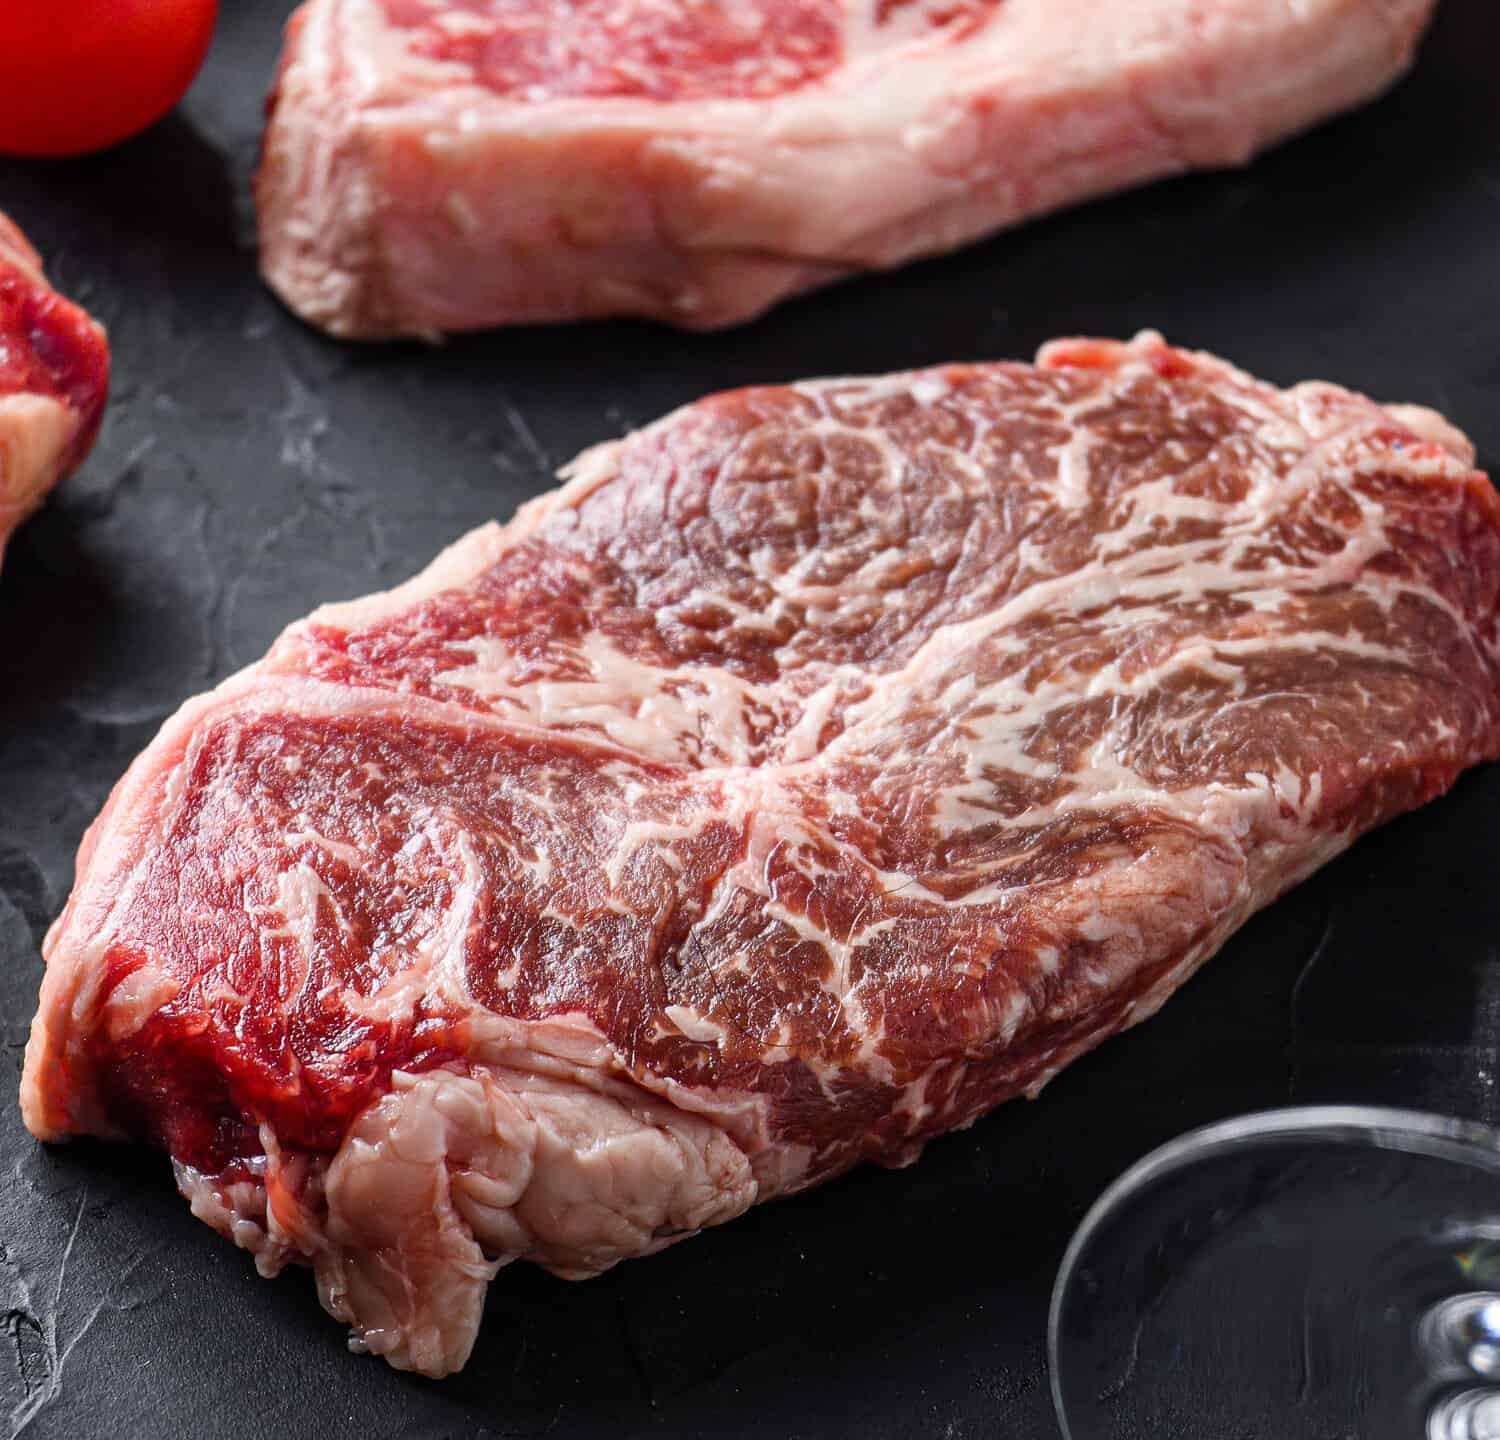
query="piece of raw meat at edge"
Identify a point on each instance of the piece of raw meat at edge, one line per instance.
(54, 375)
(543, 1137)
(397, 201)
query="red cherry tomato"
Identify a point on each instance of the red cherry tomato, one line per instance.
(78, 75)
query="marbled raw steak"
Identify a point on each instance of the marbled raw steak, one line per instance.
(818, 768)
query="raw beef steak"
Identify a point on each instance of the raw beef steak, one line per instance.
(54, 371)
(818, 768)
(436, 165)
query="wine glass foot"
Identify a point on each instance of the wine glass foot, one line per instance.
(1344, 1262)
(1468, 1415)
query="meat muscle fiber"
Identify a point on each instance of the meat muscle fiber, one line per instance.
(54, 372)
(821, 766)
(436, 165)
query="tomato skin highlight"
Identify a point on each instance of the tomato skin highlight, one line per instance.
(81, 75)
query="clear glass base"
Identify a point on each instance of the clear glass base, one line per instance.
(1322, 1272)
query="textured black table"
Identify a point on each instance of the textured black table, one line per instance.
(249, 470)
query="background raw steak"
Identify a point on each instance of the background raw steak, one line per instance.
(820, 767)
(54, 371)
(449, 166)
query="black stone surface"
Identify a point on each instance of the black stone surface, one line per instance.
(249, 470)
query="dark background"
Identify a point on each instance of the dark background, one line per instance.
(250, 469)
